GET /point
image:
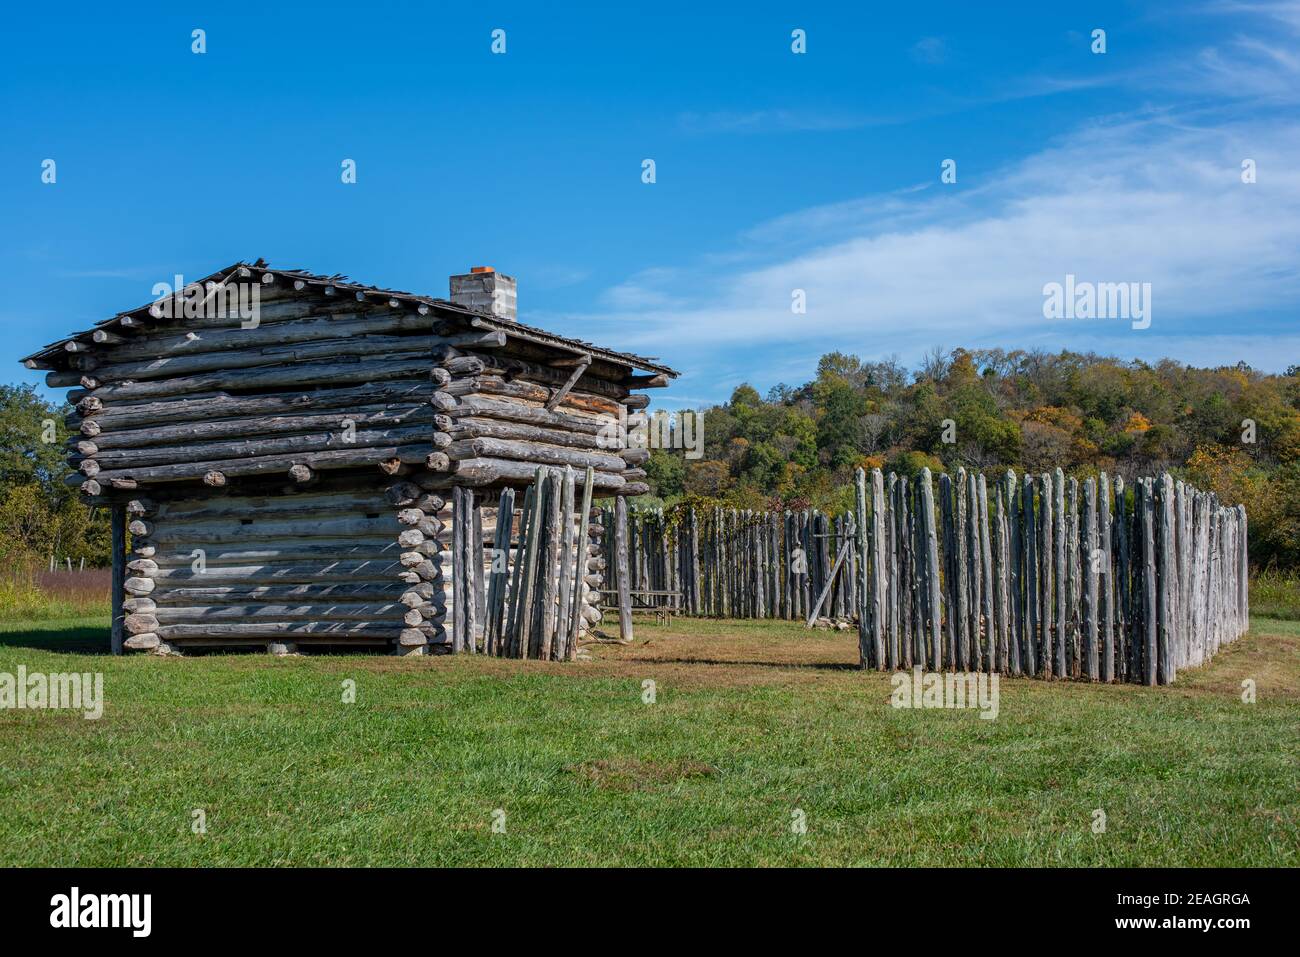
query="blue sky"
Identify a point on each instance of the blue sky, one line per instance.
(775, 171)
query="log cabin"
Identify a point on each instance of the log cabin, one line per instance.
(298, 460)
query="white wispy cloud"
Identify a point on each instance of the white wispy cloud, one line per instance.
(1155, 197)
(1151, 199)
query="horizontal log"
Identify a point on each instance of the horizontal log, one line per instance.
(472, 427)
(369, 417)
(657, 381)
(300, 505)
(281, 551)
(486, 471)
(483, 406)
(384, 527)
(392, 611)
(188, 410)
(272, 573)
(339, 371)
(238, 342)
(534, 452)
(251, 357)
(531, 392)
(335, 459)
(311, 592)
(340, 629)
(301, 447)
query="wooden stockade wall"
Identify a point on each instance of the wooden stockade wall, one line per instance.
(730, 563)
(1038, 575)
(543, 572)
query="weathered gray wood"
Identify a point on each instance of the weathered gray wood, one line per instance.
(1093, 573)
(1150, 622)
(475, 427)
(947, 522)
(1029, 534)
(555, 519)
(1106, 580)
(583, 531)
(268, 464)
(337, 371)
(1001, 583)
(510, 642)
(182, 412)
(860, 513)
(118, 588)
(531, 582)
(1015, 571)
(130, 459)
(879, 569)
(1167, 580)
(988, 649)
(934, 611)
(535, 452)
(252, 357)
(624, 570)
(488, 471)
(1061, 574)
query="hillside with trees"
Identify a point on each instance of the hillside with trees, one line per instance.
(991, 410)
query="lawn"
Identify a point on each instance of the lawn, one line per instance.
(752, 723)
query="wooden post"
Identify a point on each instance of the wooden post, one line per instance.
(894, 643)
(1150, 623)
(1167, 581)
(934, 609)
(1094, 573)
(961, 560)
(459, 601)
(946, 517)
(117, 630)
(1015, 558)
(471, 567)
(1029, 537)
(986, 583)
(860, 514)
(1123, 612)
(879, 585)
(584, 528)
(621, 558)
(1062, 576)
(1000, 589)
(1107, 582)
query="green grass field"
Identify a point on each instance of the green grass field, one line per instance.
(752, 721)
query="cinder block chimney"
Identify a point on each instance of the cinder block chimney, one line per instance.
(485, 289)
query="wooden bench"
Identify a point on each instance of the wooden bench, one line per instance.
(641, 601)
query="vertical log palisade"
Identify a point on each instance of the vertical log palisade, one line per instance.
(303, 460)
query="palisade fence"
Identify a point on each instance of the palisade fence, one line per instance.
(735, 563)
(1036, 575)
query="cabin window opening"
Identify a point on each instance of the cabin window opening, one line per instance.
(245, 521)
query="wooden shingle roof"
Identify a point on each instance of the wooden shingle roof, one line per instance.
(54, 355)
